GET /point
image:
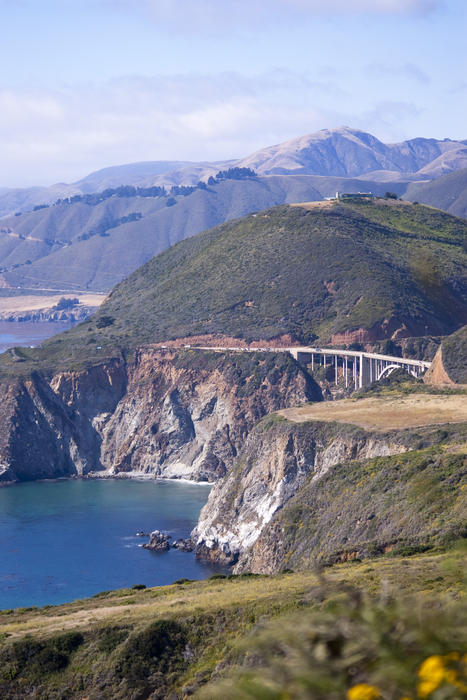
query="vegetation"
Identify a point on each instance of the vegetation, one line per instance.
(352, 264)
(454, 349)
(235, 174)
(402, 504)
(309, 635)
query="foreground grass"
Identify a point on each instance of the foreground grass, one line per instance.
(175, 640)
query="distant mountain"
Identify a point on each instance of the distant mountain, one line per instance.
(347, 152)
(342, 152)
(340, 272)
(93, 246)
(146, 174)
(448, 192)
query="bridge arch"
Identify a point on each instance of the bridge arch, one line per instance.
(389, 369)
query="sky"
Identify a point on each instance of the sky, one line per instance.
(85, 84)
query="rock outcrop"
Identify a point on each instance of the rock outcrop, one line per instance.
(449, 365)
(158, 542)
(238, 525)
(175, 414)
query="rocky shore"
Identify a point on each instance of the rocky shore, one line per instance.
(160, 542)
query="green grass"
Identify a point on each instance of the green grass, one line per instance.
(309, 273)
(382, 619)
(404, 503)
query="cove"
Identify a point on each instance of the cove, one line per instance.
(70, 539)
(16, 333)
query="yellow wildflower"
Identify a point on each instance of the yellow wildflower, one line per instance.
(363, 691)
(434, 671)
(431, 675)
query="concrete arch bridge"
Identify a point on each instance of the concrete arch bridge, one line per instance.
(356, 368)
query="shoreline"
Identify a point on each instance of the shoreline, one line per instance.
(105, 476)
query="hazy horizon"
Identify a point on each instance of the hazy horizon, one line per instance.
(90, 84)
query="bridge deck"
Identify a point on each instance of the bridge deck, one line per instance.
(402, 361)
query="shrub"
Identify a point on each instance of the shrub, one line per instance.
(157, 649)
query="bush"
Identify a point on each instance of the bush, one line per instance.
(111, 637)
(157, 649)
(105, 321)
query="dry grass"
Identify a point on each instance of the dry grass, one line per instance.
(314, 205)
(38, 303)
(392, 413)
(136, 607)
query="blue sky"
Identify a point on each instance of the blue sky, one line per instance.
(89, 83)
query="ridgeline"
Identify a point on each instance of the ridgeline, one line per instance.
(341, 272)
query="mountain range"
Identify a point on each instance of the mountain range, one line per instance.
(70, 241)
(341, 152)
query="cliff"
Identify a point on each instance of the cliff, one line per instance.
(168, 413)
(326, 491)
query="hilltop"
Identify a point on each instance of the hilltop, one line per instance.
(353, 153)
(345, 272)
(90, 234)
(93, 242)
(339, 152)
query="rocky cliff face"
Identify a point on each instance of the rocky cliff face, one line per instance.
(279, 458)
(168, 413)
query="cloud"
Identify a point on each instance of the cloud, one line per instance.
(57, 135)
(204, 16)
(407, 70)
(49, 136)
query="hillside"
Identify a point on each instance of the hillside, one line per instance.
(224, 637)
(448, 192)
(89, 244)
(341, 152)
(333, 273)
(454, 354)
(351, 153)
(308, 635)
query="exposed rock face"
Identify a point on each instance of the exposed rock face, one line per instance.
(277, 460)
(450, 362)
(436, 374)
(167, 413)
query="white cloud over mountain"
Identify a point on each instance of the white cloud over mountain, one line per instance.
(52, 135)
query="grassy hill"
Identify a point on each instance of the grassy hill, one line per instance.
(93, 246)
(454, 353)
(311, 272)
(303, 635)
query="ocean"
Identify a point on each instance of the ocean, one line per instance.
(68, 539)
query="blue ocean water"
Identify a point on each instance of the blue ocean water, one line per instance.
(63, 540)
(13, 333)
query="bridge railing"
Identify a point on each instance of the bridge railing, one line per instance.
(363, 368)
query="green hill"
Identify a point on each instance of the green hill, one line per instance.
(383, 266)
(454, 354)
(309, 636)
(93, 242)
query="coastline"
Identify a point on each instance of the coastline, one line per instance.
(105, 476)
